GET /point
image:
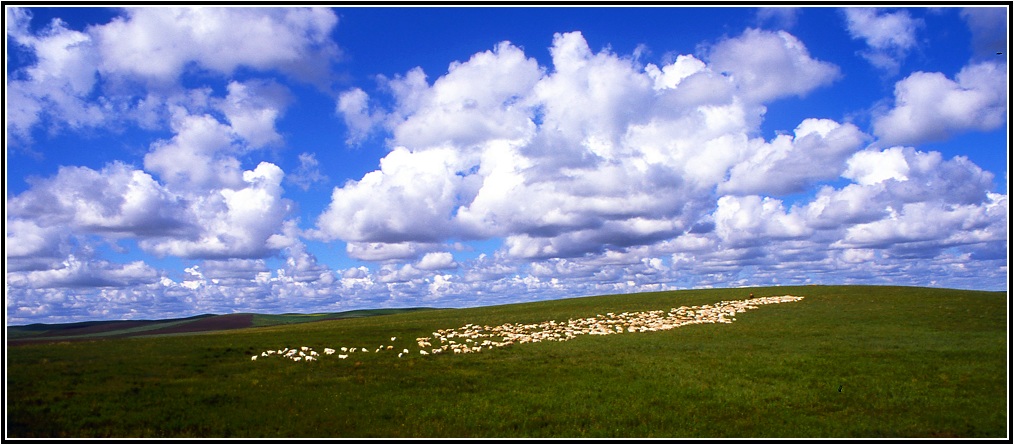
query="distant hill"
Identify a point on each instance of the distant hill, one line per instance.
(92, 330)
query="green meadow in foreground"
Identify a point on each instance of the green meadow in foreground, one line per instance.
(846, 361)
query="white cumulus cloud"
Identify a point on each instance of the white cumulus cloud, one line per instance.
(594, 151)
(768, 65)
(136, 61)
(889, 35)
(931, 107)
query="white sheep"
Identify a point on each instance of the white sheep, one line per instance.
(479, 338)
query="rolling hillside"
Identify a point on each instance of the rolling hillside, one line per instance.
(92, 330)
(843, 362)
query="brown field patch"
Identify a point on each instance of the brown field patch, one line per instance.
(216, 323)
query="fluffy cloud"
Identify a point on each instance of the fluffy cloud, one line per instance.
(931, 107)
(210, 209)
(595, 195)
(419, 190)
(382, 251)
(83, 289)
(790, 164)
(193, 198)
(437, 261)
(117, 200)
(766, 65)
(206, 206)
(893, 177)
(308, 172)
(27, 240)
(233, 222)
(593, 175)
(913, 196)
(596, 152)
(198, 157)
(780, 16)
(889, 35)
(159, 43)
(78, 273)
(751, 220)
(925, 225)
(252, 108)
(151, 48)
(59, 81)
(872, 167)
(359, 120)
(463, 108)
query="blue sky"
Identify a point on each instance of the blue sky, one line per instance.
(166, 162)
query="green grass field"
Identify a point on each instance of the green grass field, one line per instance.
(845, 362)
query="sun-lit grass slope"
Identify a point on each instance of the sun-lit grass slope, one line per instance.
(846, 361)
(271, 320)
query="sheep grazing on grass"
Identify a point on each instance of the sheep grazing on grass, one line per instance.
(484, 338)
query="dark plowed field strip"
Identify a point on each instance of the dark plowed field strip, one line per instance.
(220, 322)
(93, 332)
(99, 328)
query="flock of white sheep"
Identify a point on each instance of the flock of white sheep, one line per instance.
(472, 338)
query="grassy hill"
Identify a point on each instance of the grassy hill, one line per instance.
(847, 361)
(92, 330)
